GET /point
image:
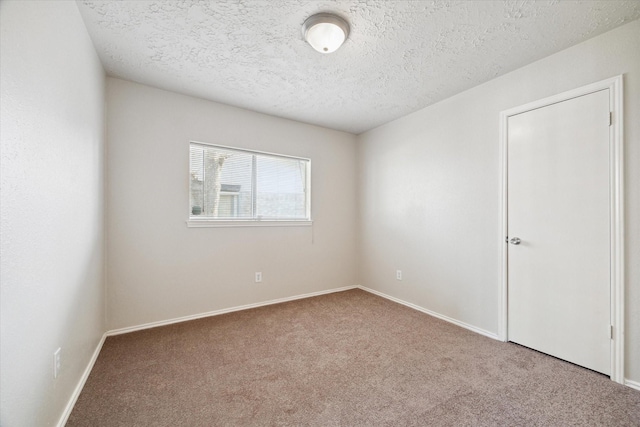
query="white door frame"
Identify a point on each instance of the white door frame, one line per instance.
(616, 213)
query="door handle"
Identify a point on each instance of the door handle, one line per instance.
(515, 241)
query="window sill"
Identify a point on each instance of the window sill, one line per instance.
(200, 223)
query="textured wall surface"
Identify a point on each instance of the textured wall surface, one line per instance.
(158, 269)
(51, 172)
(430, 187)
(400, 56)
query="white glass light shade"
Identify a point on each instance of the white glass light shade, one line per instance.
(325, 38)
(325, 32)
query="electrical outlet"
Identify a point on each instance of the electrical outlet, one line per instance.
(56, 363)
(258, 277)
(399, 274)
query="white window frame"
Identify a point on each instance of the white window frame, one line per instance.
(248, 222)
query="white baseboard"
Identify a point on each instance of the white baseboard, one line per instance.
(223, 311)
(632, 384)
(83, 379)
(433, 313)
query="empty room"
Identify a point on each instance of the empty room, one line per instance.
(319, 213)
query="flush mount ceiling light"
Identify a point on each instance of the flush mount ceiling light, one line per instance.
(325, 32)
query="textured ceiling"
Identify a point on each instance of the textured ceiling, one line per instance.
(400, 56)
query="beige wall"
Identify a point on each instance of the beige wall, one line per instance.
(157, 268)
(51, 169)
(429, 187)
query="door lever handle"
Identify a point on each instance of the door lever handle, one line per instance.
(515, 241)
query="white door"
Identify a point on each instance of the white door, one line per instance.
(558, 206)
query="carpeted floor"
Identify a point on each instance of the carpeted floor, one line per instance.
(343, 359)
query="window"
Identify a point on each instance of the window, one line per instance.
(234, 185)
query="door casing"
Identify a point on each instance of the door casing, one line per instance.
(616, 212)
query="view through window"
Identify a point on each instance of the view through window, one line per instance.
(234, 184)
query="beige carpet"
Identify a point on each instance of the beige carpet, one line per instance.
(344, 359)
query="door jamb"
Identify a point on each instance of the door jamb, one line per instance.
(616, 212)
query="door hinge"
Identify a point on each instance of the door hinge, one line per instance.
(610, 118)
(611, 332)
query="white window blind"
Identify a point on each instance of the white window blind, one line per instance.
(234, 184)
